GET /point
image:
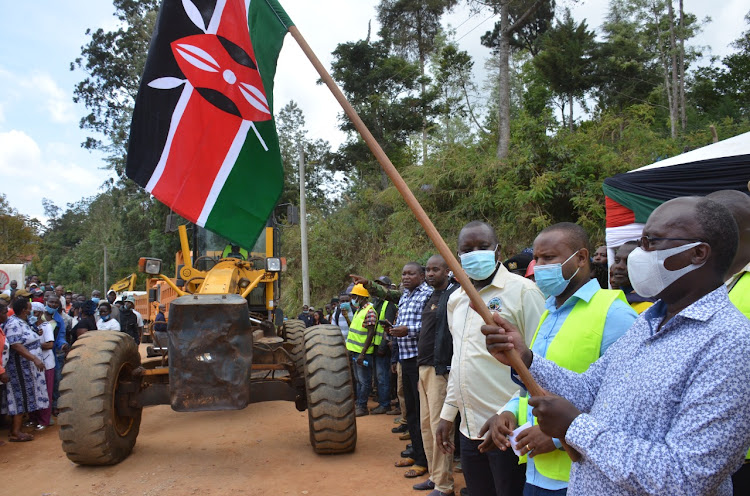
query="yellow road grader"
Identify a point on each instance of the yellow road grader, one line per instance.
(227, 346)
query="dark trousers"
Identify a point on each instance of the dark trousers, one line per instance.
(529, 490)
(741, 480)
(493, 473)
(410, 376)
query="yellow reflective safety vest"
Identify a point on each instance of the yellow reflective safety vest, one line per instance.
(379, 331)
(575, 347)
(355, 340)
(740, 296)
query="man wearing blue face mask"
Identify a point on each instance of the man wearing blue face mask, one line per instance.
(581, 321)
(479, 386)
(664, 411)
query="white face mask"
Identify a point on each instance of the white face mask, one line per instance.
(647, 273)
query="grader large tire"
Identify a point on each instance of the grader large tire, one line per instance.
(91, 430)
(330, 391)
(295, 334)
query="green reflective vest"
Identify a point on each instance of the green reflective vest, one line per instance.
(355, 340)
(228, 251)
(575, 347)
(379, 331)
(740, 296)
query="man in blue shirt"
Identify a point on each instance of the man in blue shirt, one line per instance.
(664, 410)
(590, 318)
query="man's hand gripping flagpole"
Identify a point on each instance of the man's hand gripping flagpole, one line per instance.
(513, 358)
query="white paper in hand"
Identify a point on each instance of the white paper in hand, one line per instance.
(512, 437)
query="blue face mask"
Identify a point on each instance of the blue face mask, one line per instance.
(96, 300)
(346, 306)
(105, 317)
(32, 319)
(550, 280)
(479, 264)
(50, 310)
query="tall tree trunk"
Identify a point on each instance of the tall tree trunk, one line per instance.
(683, 115)
(503, 107)
(673, 111)
(562, 112)
(422, 57)
(665, 65)
(570, 112)
(424, 112)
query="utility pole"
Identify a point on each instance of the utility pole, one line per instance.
(104, 289)
(303, 228)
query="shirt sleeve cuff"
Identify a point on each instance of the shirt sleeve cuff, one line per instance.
(582, 433)
(449, 412)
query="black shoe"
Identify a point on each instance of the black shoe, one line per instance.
(408, 446)
(408, 453)
(400, 429)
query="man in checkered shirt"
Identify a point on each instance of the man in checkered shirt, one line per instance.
(406, 331)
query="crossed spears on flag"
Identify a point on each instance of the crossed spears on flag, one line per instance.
(225, 92)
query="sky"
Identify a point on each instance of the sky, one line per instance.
(40, 152)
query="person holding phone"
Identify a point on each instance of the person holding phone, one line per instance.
(477, 387)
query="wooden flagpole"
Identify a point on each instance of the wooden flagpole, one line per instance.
(513, 357)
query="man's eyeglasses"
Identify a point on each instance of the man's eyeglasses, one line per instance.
(645, 242)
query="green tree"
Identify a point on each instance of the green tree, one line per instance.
(514, 14)
(735, 81)
(114, 61)
(452, 69)
(381, 87)
(411, 27)
(566, 61)
(321, 189)
(626, 72)
(19, 235)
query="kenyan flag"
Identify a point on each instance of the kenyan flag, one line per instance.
(203, 139)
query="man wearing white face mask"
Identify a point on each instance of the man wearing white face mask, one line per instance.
(664, 410)
(478, 386)
(581, 321)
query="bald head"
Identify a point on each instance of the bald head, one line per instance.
(574, 236)
(738, 204)
(693, 217)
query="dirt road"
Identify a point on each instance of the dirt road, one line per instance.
(261, 450)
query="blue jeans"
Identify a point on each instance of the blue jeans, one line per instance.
(363, 375)
(493, 473)
(383, 374)
(529, 490)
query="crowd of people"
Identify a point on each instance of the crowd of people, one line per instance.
(646, 360)
(38, 324)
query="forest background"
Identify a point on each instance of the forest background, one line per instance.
(562, 108)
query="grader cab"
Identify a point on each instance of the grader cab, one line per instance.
(226, 346)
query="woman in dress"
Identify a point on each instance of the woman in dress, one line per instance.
(27, 388)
